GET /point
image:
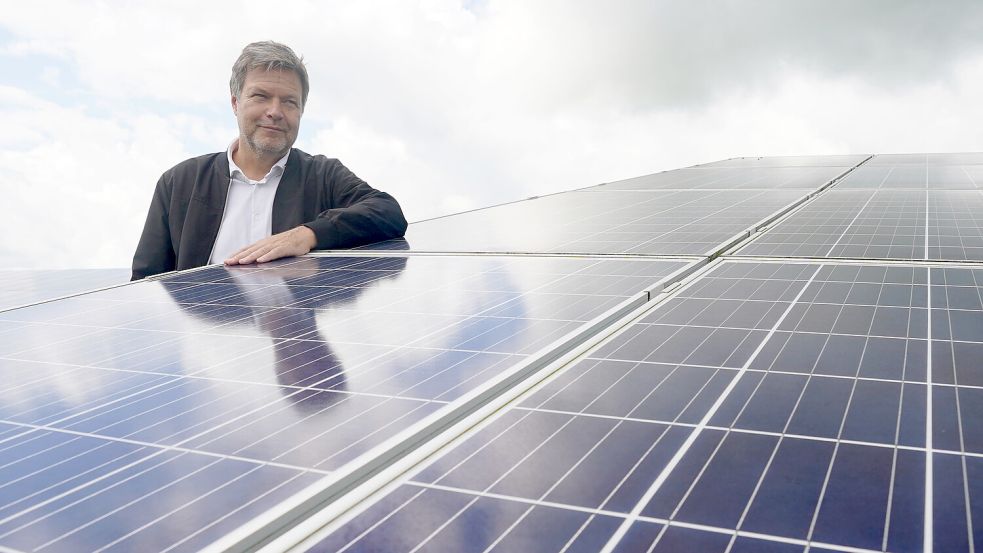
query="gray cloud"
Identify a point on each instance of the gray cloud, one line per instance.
(654, 55)
(452, 106)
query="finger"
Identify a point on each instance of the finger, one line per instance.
(256, 253)
(238, 256)
(275, 253)
(290, 246)
(244, 251)
(251, 252)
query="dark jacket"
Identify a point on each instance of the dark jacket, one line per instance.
(314, 191)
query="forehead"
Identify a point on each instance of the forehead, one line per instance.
(285, 81)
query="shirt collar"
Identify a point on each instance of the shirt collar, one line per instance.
(236, 173)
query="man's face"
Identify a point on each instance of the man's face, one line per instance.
(268, 111)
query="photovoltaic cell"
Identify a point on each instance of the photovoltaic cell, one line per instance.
(803, 391)
(162, 415)
(681, 222)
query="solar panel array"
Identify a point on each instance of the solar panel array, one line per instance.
(759, 354)
(24, 286)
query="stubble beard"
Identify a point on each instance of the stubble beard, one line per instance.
(271, 148)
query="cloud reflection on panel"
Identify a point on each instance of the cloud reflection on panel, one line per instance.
(360, 349)
(308, 362)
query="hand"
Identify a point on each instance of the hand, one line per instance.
(296, 241)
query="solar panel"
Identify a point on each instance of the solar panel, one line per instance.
(730, 178)
(850, 223)
(879, 224)
(25, 286)
(162, 415)
(845, 161)
(785, 401)
(588, 371)
(955, 225)
(960, 158)
(681, 222)
(935, 177)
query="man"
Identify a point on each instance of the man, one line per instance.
(261, 199)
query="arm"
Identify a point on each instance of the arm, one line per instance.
(359, 215)
(155, 253)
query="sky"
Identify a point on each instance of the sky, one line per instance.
(452, 105)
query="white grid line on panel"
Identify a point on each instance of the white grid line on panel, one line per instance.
(613, 514)
(609, 547)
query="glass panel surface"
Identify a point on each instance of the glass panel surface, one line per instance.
(790, 161)
(22, 287)
(164, 414)
(754, 400)
(730, 178)
(681, 222)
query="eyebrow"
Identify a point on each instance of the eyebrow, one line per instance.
(258, 88)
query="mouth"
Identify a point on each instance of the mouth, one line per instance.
(274, 129)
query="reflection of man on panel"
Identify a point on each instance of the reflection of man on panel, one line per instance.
(261, 199)
(308, 372)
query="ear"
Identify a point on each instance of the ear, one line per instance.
(235, 105)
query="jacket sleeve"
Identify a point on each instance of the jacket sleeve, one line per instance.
(155, 252)
(358, 213)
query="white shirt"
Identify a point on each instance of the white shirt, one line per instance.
(248, 215)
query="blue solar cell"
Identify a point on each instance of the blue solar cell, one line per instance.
(547, 529)
(946, 433)
(883, 358)
(639, 537)
(752, 545)
(769, 408)
(789, 492)
(597, 479)
(906, 528)
(970, 409)
(875, 408)
(790, 352)
(821, 408)
(676, 538)
(911, 430)
(725, 485)
(672, 492)
(950, 528)
(841, 356)
(856, 499)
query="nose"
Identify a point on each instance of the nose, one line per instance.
(274, 110)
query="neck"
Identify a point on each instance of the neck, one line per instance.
(253, 164)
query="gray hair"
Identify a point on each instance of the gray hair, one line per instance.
(270, 56)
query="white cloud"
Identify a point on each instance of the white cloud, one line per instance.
(451, 108)
(76, 187)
